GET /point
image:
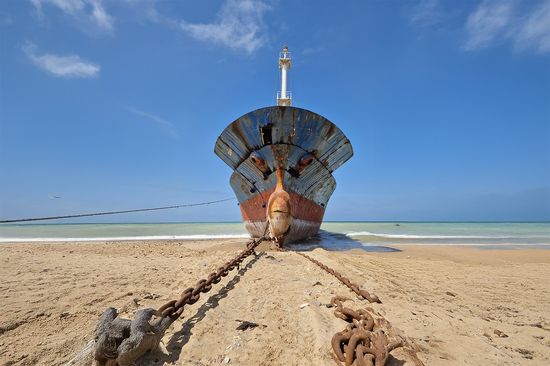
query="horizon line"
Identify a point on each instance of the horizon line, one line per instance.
(330, 221)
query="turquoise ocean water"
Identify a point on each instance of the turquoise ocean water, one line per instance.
(334, 234)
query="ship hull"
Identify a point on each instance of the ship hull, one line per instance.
(282, 160)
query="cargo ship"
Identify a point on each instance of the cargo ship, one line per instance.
(283, 158)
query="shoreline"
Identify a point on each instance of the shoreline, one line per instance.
(447, 300)
(332, 234)
(299, 246)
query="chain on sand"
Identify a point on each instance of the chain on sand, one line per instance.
(191, 295)
(363, 294)
(364, 341)
(121, 341)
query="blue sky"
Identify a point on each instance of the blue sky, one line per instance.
(117, 104)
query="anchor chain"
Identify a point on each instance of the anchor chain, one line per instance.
(123, 341)
(364, 341)
(363, 294)
(191, 295)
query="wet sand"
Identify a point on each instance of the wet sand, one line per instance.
(457, 305)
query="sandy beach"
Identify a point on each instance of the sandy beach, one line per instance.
(456, 305)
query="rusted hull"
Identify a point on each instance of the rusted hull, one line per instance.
(282, 160)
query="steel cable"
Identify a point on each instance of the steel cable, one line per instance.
(115, 212)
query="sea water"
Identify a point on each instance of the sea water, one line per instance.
(341, 235)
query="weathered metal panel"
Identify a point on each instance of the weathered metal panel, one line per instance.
(283, 125)
(242, 187)
(315, 182)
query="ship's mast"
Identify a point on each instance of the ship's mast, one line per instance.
(284, 97)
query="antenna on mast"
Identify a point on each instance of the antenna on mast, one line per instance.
(284, 97)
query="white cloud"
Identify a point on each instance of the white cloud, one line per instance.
(426, 13)
(70, 66)
(497, 21)
(240, 25)
(535, 30)
(68, 6)
(100, 16)
(84, 12)
(487, 23)
(167, 125)
(143, 10)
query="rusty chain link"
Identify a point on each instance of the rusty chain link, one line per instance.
(363, 342)
(191, 295)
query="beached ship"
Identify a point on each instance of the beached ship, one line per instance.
(283, 158)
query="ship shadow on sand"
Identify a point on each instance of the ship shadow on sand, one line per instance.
(337, 242)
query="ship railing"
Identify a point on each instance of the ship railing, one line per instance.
(285, 55)
(288, 95)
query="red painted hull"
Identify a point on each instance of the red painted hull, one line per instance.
(307, 216)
